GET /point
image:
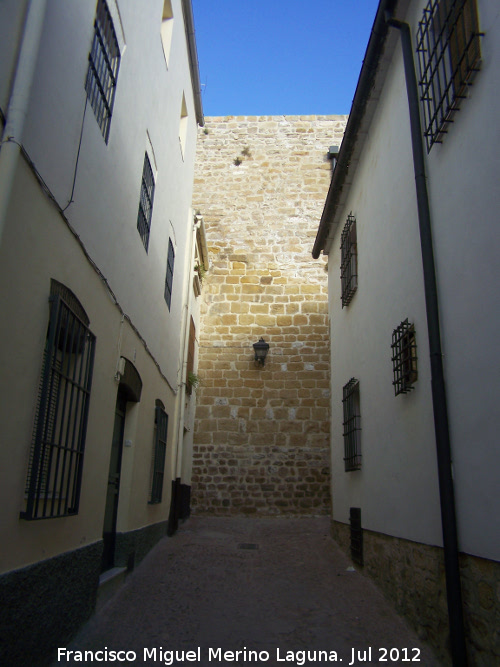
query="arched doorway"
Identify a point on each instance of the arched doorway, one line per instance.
(129, 390)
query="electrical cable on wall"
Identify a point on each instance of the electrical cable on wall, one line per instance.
(103, 278)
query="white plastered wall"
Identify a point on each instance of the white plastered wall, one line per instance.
(38, 246)
(397, 487)
(146, 117)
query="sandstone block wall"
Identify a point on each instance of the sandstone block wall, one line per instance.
(412, 576)
(261, 442)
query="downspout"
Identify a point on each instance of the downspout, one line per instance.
(18, 103)
(173, 518)
(441, 428)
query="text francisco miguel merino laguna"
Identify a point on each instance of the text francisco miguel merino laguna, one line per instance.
(170, 657)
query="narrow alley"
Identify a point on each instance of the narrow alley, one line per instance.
(273, 589)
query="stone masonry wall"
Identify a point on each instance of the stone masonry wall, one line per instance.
(261, 441)
(412, 576)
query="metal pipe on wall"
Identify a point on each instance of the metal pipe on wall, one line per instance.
(439, 401)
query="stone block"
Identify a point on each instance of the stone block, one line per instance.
(262, 270)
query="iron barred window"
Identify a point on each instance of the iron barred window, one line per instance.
(352, 425)
(449, 55)
(102, 74)
(146, 202)
(349, 261)
(170, 273)
(56, 456)
(404, 358)
(159, 454)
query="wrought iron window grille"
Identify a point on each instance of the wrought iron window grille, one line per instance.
(352, 425)
(170, 273)
(56, 456)
(159, 455)
(146, 202)
(449, 55)
(349, 261)
(104, 63)
(404, 358)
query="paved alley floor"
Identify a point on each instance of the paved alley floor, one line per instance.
(273, 589)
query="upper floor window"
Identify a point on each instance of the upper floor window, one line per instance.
(404, 358)
(146, 202)
(449, 55)
(183, 125)
(102, 74)
(349, 261)
(169, 279)
(58, 443)
(167, 28)
(352, 425)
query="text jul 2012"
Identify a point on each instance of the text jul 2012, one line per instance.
(299, 657)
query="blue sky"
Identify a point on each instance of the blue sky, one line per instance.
(273, 57)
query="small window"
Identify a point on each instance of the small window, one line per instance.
(352, 425)
(349, 261)
(159, 453)
(183, 125)
(449, 55)
(102, 74)
(167, 28)
(404, 358)
(170, 273)
(146, 202)
(59, 432)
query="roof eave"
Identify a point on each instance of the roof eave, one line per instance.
(193, 60)
(373, 65)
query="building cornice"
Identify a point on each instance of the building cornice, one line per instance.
(375, 65)
(187, 8)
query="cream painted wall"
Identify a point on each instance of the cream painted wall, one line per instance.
(25, 306)
(397, 487)
(38, 245)
(12, 13)
(146, 114)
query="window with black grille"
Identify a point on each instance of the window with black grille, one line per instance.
(146, 202)
(449, 55)
(352, 425)
(348, 261)
(404, 358)
(159, 453)
(58, 443)
(104, 63)
(170, 273)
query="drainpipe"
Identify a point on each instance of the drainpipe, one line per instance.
(18, 103)
(446, 491)
(181, 397)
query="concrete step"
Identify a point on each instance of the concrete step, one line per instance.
(109, 584)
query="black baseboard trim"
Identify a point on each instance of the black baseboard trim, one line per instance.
(44, 604)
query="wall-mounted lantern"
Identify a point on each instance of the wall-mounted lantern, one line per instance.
(261, 349)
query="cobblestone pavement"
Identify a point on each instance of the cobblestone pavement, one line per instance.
(274, 586)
